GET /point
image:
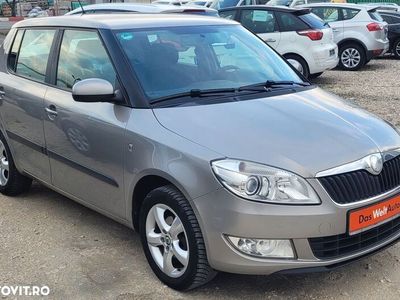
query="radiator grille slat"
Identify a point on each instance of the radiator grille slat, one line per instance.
(360, 185)
(343, 244)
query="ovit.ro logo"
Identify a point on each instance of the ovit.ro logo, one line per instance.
(24, 290)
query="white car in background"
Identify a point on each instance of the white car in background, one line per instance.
(299, 36)
(111, 8)
(171, 2)
(359, 31)
(294, 3)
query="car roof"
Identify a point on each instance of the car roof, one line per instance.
(269, 7)
(124, 21)
(345, 5)
(139, 7)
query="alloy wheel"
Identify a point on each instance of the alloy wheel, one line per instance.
(350, 57)
(167, 240)
(397, 49)
(4, 167)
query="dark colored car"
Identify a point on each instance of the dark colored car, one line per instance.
(393, 19)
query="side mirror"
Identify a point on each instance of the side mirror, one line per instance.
(93, 90)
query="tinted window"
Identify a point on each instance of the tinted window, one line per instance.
(34, 54)
(246, 2)
(313, 21)
(83, 56)
(224, 3)
(258, 21)
(328, 14)
(172, 60)
(12, 58)
(289, 22)
(390, 19)
(228, 14)
(349, 13)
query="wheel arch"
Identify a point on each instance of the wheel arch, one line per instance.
(145, 183)
(353, 41)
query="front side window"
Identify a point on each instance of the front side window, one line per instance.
(173, 60)
(82, 56)
(290, 22)
(328, 14)
(34, 53)
(258, 21)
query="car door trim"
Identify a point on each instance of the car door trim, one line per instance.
(52, 154)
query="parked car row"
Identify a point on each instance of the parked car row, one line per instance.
(197, 134)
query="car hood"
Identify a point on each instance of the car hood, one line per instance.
(305, 132)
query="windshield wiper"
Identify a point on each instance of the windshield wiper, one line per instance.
(196, 93)
(270, 84)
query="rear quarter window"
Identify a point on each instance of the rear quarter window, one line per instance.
(314, 21)
(290, 22)
(375, 16)
(349, 13)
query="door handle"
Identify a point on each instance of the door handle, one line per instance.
(270, 40)
(51, 111)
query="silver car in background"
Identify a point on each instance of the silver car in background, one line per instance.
(359, 31)
(197, 134)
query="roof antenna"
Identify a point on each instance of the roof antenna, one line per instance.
(80, 4)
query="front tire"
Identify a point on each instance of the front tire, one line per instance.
(12, 183)
(315, 75)
(172, 240)
(352, 57)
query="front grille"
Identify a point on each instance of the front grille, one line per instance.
(360, 185)
(343, 244)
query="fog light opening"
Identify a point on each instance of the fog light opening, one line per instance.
(264, 248)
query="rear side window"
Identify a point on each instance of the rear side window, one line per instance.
(12, 58)
(34, 53)
(349, 13)
(313, 21)
(83, 56)
(258, 21)
(289, 22)
(375, 16)
(228, 14)
(328, 14)
(390, 19)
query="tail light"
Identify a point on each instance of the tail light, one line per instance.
(314, 35)
(374, 27)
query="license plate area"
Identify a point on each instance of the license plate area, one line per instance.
(374, 215)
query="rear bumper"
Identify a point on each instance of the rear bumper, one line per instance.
(379, 48)
(323, 60)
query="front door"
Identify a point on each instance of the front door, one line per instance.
(85, 141)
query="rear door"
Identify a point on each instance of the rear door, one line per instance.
(332, 16)
(22, 107)
(85, 141)
(263, 23)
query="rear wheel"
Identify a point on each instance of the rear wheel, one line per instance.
(396, 49)
(351, 57)
(172, 240)
(12, 183)
(296, 61)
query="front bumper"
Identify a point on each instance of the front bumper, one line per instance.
(221, 213)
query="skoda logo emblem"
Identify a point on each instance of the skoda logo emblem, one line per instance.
(375, 164)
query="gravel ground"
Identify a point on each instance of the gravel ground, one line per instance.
(47, 239)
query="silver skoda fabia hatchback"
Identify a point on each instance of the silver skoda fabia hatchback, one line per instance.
(198, 135)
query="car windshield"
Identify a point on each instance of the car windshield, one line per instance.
(174, 60)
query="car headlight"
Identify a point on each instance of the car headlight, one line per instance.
(263, 183)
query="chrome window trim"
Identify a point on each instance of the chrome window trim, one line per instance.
(361, 164)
